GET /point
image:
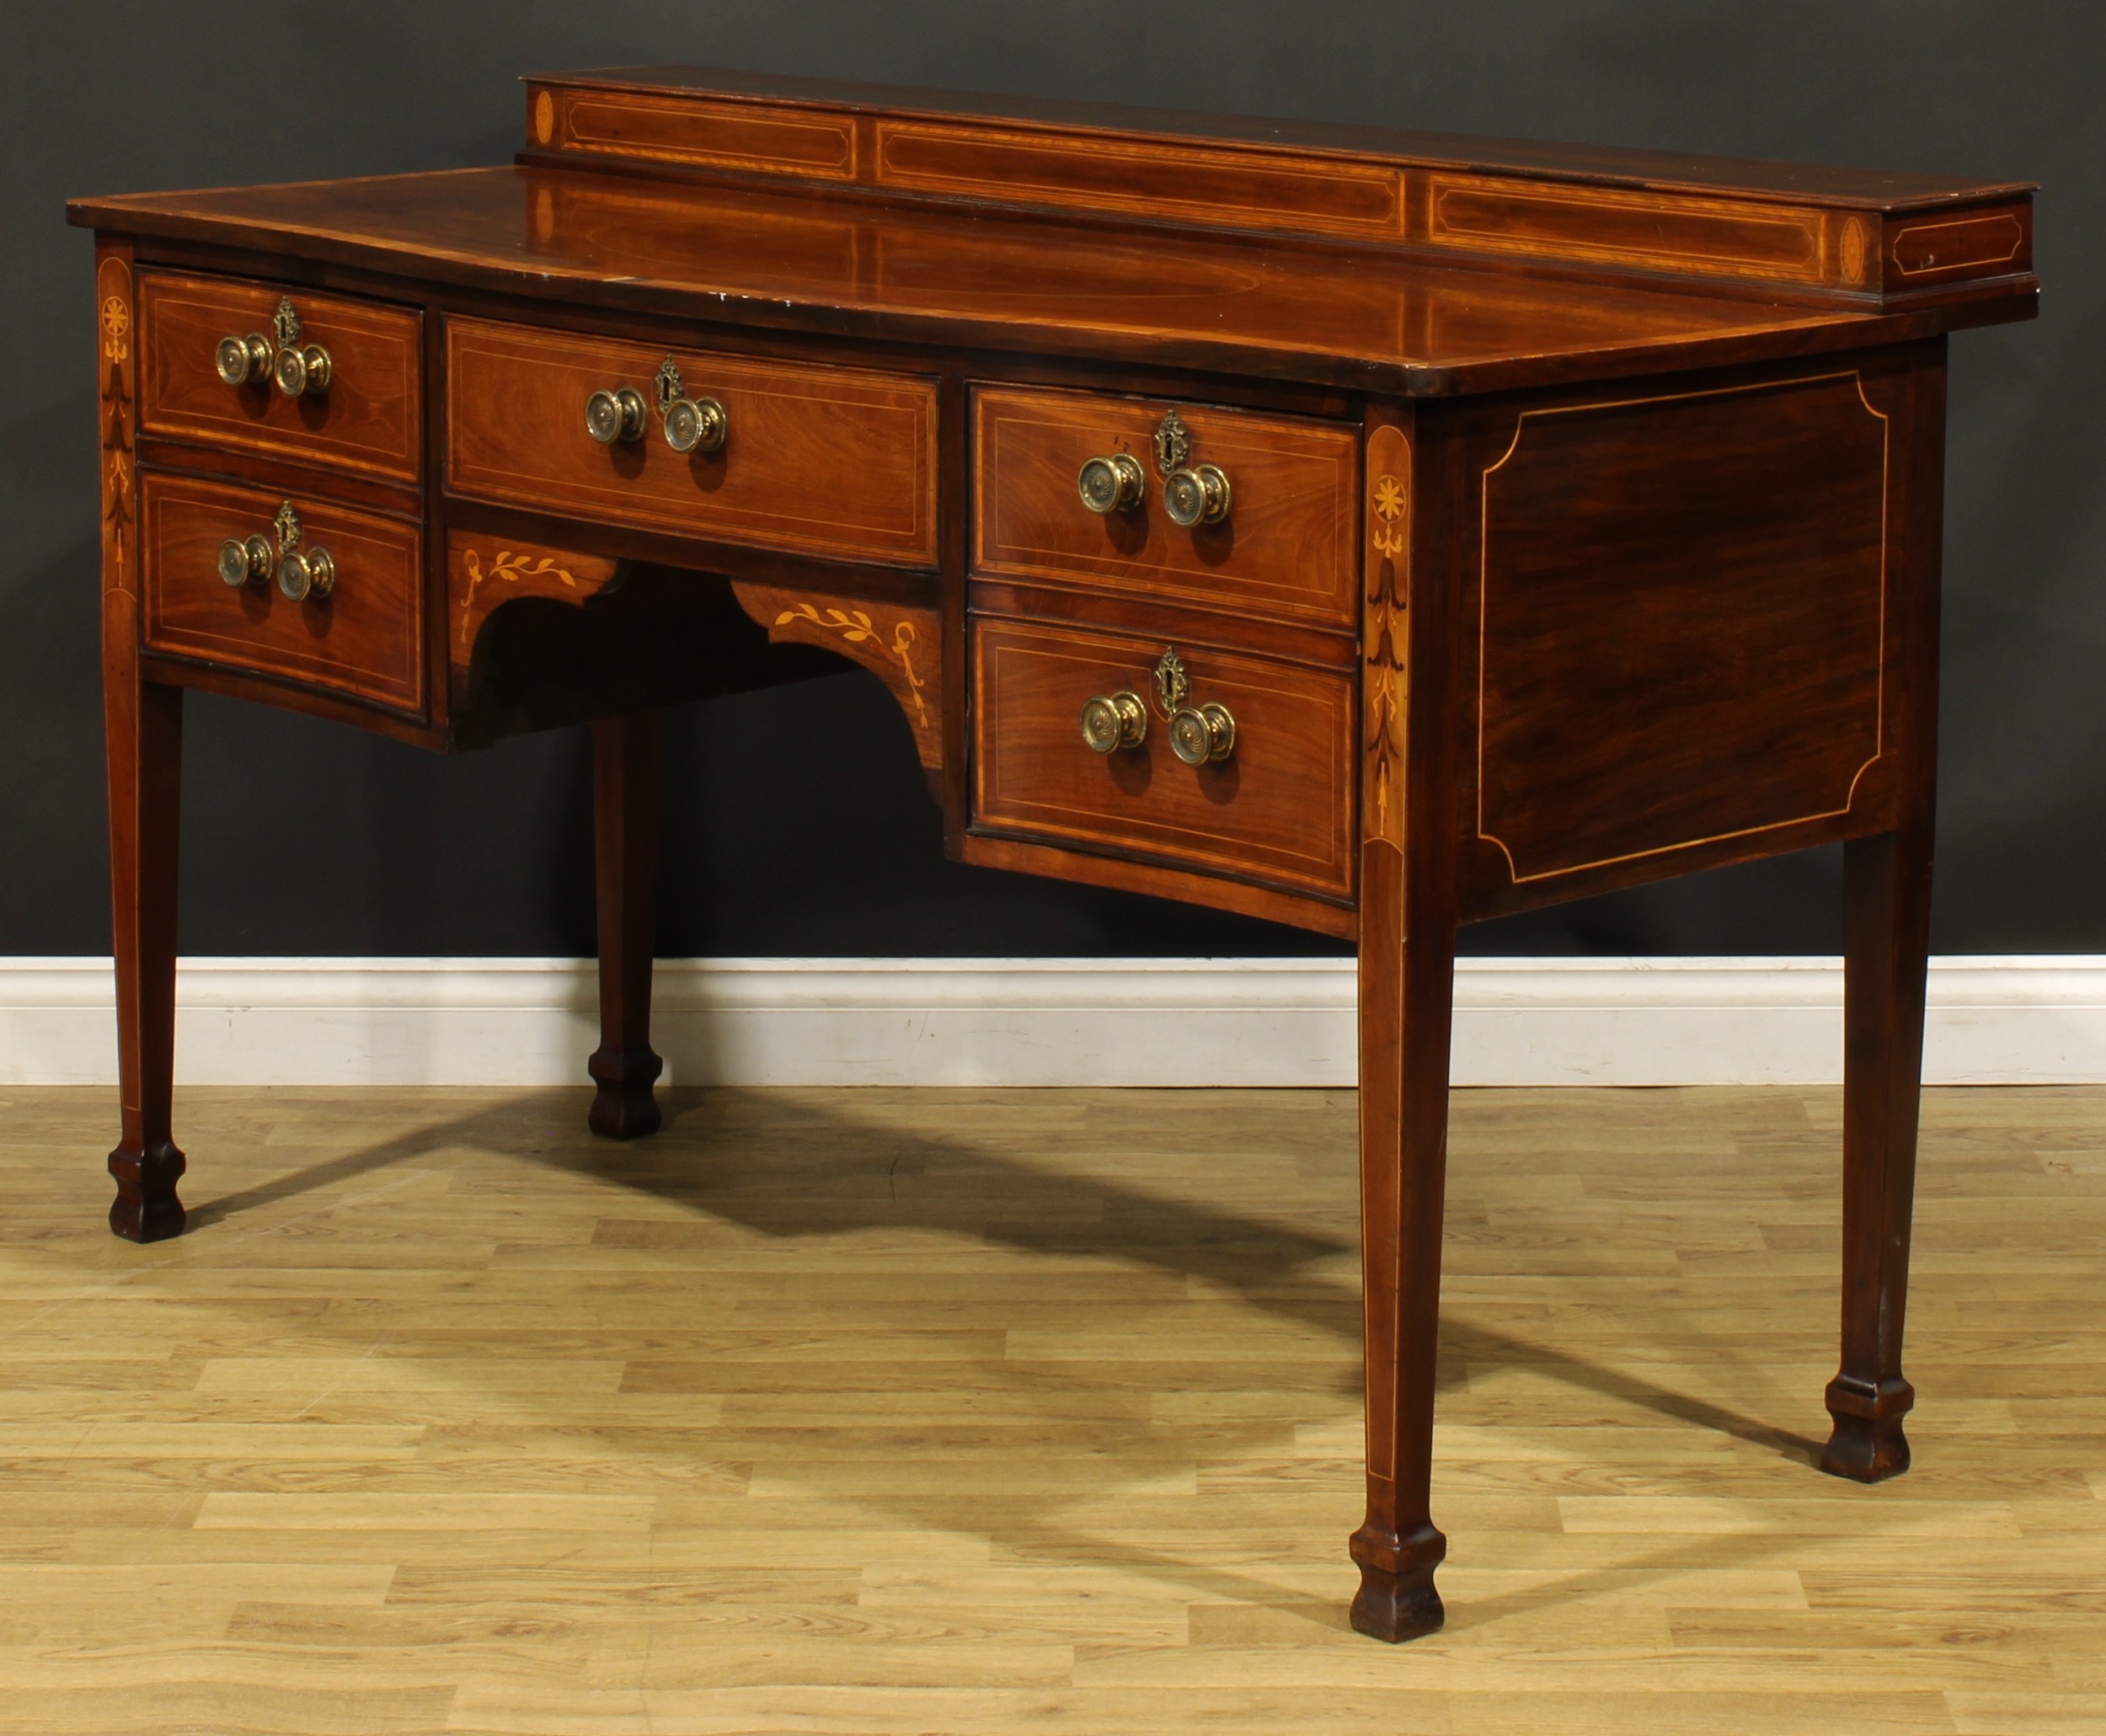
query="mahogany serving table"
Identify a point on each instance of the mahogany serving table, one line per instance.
(1369, 531)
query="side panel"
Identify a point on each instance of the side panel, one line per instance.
(1684, 646)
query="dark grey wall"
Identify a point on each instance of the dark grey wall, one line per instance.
(795, 826)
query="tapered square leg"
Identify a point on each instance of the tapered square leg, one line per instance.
(1887, 891)
(143, 726)
(1886, 956)
(1406, 997)
(142, 743)
(625, 777)
(1409, 644)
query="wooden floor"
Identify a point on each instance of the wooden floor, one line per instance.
(888, 1411)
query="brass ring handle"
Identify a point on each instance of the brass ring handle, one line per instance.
(1113, 721)
(1201, 733)
(1196, 496)
(303, 369)
(304, 574)
(244, 361)
(246, 561)
(1114, 483)
(619, 414)
(696, 424)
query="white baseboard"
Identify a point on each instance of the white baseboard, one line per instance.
(1166, 1021)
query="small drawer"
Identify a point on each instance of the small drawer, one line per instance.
(1286, 546)
(369, 419)
(833, 461)
(1278, 810)
(363, 638)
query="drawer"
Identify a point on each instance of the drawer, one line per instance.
(369, 420)
(1286, 547)
(833, 461)
(363, 638)
(1279, 810)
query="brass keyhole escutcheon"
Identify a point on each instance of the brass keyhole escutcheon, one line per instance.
(1170, 681)
(1173, 443)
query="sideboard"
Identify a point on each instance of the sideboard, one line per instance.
(1370, 530)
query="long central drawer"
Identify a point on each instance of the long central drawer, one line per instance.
(839, 461)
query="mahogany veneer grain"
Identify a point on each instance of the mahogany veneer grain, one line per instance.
(1285, 552)
(369, 421)
(1278, 810)
(365, 638)
(817, 460)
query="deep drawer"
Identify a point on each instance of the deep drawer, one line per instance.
(1277, 810)
(835, 462)
(1286, 548)
(363, 638)
(370, 419)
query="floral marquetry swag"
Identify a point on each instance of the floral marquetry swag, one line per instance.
(856, 628)
(507, 568)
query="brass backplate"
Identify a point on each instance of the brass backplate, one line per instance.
(1174, 444)
(1172, 684)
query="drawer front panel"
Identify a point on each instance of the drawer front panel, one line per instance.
(1287, 548)
(370, 418)
(835, 462)
(363, 639)
(1279, 810)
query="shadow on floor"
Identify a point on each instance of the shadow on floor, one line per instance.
(805, 1172)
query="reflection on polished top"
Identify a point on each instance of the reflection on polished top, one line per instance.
(1410, 263)
(1329, 316)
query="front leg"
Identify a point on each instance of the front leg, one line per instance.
(1406, 977)
(1886, 955)
(142, 742)
(1407, 981)
(1886, 958)
(143, 726)
(625, 760)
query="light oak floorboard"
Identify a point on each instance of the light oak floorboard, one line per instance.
(986, 1411)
